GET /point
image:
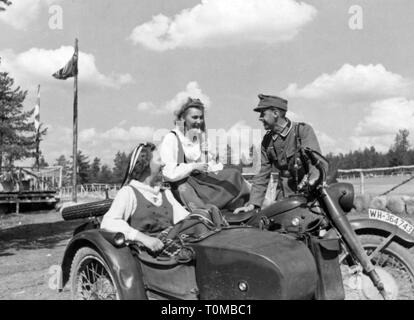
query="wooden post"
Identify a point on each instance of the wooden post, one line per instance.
(38, 130)
(75, 129)
(362, 182)
(60, 177)
(17, 205)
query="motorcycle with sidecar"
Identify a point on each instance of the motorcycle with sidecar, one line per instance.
(303, 247)
(227, 262)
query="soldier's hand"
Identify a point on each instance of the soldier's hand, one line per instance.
(313, 176)
(249, 207)
(309, 179)
(304, 183)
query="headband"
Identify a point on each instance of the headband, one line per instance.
(132, 162)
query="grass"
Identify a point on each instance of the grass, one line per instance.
(379, 185)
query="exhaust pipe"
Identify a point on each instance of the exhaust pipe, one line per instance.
(342, 224)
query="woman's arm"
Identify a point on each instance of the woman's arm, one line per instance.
(115, 220)
(175, 169)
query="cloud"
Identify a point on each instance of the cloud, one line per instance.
(192, 90)
(21, 13)
(352, 83)
(380, 126)
(219, 23)
(328, 144)
(37, 66)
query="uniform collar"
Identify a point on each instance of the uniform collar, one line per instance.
(285, 130)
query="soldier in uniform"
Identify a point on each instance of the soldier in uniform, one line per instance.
(280, 152)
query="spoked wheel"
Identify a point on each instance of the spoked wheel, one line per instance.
(91, 278)
(394, 265)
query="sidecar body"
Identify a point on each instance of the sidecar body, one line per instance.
(235, 263)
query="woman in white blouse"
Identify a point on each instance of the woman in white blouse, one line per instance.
(196, 179)
(142, 209)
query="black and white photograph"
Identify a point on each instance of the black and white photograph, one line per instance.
(206, 150)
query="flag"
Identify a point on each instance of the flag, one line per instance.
(37, 111)
(70, 70)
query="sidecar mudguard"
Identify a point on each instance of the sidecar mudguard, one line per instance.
(363, 225)
(127, 272)
(247, 263)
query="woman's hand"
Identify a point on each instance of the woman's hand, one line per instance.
(152, 243)
(247, 208)
(200, 166)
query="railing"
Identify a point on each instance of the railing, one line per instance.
(362, 174)
(65, 193)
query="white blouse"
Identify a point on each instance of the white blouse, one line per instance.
(125, 204)
(174, 171)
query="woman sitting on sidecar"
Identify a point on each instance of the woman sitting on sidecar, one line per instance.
(141, 209)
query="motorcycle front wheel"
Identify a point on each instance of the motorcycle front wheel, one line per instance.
(393, 263)
(91, 278)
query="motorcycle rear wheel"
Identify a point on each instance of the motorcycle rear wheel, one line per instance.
(394, 261)
(91, 278)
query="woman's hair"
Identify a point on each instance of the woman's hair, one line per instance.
(142, 162)
(191, 103)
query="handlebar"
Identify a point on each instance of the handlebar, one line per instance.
(317, 163)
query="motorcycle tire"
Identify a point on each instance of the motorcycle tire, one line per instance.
(396, 260)
(86, 210)
(96, 285)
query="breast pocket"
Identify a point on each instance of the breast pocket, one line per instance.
(271, 154)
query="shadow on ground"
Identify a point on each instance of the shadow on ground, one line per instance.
(36, 236)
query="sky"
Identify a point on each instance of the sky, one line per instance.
(346, 67)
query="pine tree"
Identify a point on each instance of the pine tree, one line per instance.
(42, 162)
(105, 175)
(398, 154)
(17, 133)
(95, 170)
(120, 166)
(83, 168)
(4, 3)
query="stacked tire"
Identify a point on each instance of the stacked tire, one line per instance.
(86, 210)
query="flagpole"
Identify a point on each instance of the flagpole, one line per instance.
(38, 129)
(75, 130)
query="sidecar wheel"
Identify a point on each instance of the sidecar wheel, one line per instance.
(395, 266)
(91, 278)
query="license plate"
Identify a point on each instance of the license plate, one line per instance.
(391, 219)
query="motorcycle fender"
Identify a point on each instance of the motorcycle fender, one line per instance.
(123, 266)
(364, 225)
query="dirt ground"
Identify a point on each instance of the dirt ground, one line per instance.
(30, 245)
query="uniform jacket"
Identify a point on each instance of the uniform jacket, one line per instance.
(277, 155)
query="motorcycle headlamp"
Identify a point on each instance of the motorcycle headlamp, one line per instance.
(344, 194)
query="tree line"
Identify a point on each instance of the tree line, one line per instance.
(93, 171)
(400, 153)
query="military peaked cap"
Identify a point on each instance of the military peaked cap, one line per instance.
(267, 102)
